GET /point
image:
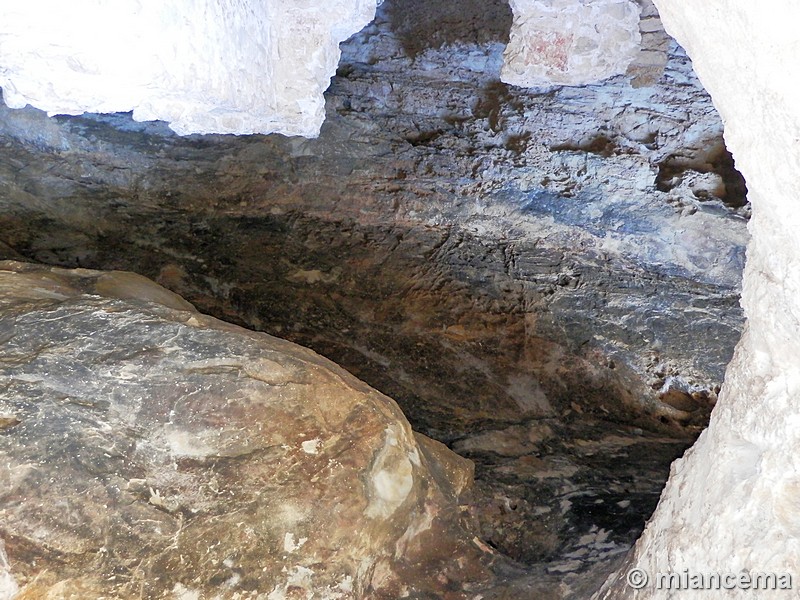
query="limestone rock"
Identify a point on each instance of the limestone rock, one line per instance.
(569, 42)
(211, 66)
(150, 451)
(730, 505)
(436, 253)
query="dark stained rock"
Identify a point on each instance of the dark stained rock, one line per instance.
(150, 451)
(446, 237)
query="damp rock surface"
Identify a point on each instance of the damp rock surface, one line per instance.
(150, 451)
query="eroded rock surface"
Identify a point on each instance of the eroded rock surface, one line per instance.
(570, 43)
(150, 451)
(529, 249)
(221, 66)
(731, 504)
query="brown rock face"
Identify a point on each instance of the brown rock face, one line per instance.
(149, 451)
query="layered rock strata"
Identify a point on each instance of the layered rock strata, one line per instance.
(546, 280)
(730, 506)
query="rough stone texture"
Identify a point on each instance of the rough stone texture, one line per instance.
(498, 260)
(731, 504)
(648, 65)
(570, 42)
(150, 451)
(8, 587)
(529, 249)
(208, 66)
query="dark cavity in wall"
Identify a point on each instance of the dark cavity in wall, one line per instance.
(730, 188)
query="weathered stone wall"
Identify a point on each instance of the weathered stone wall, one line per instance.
(221, 66)
(569, 42)
(731, 503)
(538, 279)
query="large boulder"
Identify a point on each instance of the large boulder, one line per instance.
(150, 451)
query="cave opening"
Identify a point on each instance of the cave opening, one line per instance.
(546, 280)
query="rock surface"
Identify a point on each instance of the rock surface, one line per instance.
(210, 66)
(498, 260)
(568, 42)
(731, 504)
(150, 451)
(531, 249)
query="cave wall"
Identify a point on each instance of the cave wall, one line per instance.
(508, 229)
(731, 503)
(547, 281)
(516, 267)
(204, 66)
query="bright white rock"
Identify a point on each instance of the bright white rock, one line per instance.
(204, 66)
(569, 42)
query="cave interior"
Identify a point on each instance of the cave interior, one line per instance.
(546, 279)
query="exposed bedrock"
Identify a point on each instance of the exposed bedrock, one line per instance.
(150, 451)
(730, 506)
(446, 232)
(547, 280)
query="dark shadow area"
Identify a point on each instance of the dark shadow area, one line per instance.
(730, 188)
(565, 461)
(421, 24)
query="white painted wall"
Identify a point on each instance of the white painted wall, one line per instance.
(733, 502)
(204, 66)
